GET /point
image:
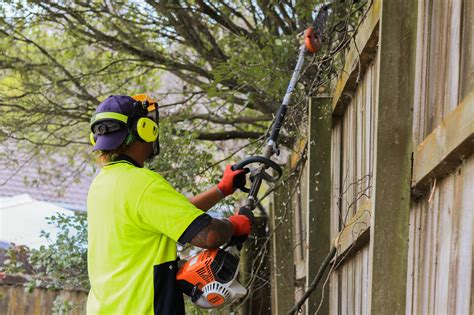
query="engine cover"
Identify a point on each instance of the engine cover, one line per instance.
(209, 278)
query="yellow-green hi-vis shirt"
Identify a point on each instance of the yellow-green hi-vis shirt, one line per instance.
(135, 218)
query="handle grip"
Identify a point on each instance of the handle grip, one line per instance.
(263, 160)
(237, 241)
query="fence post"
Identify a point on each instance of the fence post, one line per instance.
(318, 220)
(390, 219)
(282, 262)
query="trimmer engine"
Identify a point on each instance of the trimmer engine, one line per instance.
(210, 278)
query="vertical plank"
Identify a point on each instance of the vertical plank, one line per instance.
(358, 157)
(335, 201)
(420, 74)
(417, 252)
(333, 293)
(368, 112)
(298, 226)
(344, 298)
(425, 42)
(411, 258)
(373, 121)
(444, 245)
(454, 59)
(455, 240)
(361, 137)
(365, 126)
(345, 176)
(389, 226)
(439, 40)
(351, 162)
(358, 283)
(431, 71)
(350, 285)
(467, 53)
(432, 256)
(366, 280)
(335, 178)
(318, 219)
(426, 238)
(465, 291)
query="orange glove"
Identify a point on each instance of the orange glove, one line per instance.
(231, 180)
(241, 224)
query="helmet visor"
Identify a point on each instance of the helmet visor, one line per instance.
(154, 114)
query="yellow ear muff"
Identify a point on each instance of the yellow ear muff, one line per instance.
(91, 138)
(147, 129)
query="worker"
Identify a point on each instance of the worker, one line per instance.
(136, 218)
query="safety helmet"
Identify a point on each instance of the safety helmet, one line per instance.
(120, 119)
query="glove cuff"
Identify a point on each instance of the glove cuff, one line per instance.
(221, 187)
(220, 191)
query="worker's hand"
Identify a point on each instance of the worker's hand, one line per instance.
(241, 224)
(244, 219)
(231, 180)
(247, 211)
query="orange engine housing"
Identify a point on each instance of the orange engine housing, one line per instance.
(197, 270)
(211, 265)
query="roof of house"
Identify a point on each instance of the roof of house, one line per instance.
(28, 177)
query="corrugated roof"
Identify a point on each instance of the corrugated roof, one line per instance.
(26, 176)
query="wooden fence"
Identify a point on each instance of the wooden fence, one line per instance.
(14, 300)
(388, 176)
(441, 216)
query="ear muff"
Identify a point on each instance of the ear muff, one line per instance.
(147, 129)
(92, 138)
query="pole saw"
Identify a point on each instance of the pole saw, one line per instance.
(210, 277)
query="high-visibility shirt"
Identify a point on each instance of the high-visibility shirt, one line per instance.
(135, 218)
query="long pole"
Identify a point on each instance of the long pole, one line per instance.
(272, 146)
(272, 142)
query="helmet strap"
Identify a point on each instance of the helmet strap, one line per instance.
(129, 139)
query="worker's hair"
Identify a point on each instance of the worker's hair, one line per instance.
(106, 156)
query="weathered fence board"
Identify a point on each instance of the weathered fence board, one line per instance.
(438, 63)
(441, 228)
(352, 171)
(441, 242)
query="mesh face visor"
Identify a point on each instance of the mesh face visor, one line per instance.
(153, 113)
